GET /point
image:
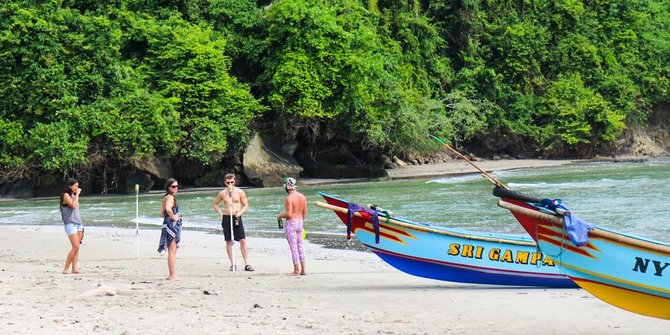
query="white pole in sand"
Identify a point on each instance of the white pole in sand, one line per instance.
(232, 236)
(137, 218)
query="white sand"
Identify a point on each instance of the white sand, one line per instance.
(345, 292)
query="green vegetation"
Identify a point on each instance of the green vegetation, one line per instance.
(85, 84)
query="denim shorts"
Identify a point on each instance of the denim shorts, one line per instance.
(73, 228)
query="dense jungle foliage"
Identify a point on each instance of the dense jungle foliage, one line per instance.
(86, 83)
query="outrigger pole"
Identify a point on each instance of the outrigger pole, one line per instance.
(232, 235)
(137, 219)
(486, 175)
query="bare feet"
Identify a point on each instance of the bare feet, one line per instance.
(294, 273)
(66, 272)
(302, 273)
(172, 278)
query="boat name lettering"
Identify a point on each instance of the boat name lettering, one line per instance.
(499, 255)
(642, 264)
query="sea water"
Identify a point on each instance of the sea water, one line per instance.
(632, 197)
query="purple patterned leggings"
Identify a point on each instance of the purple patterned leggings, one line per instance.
(293, 229)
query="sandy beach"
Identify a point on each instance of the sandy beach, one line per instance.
(344, 292)
(461, 167)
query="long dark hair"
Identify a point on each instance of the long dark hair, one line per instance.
(66, 188)
(169, 183)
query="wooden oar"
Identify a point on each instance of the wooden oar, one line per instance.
(484, 173)
(426, 229)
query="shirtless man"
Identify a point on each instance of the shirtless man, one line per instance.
(295, 212)
(237, 207)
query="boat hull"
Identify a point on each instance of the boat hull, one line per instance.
(626, 271)
(454, 255)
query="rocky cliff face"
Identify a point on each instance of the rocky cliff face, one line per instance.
(266, 165)
(652, 140)
(644, 142)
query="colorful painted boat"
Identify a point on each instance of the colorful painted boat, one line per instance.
(629, 272)
(449, 254)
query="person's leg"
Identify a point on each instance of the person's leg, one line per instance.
(172, 260)
(243, 250)
(229, 251)
(80, 235)
(227, 236)
(71, 259)
(292, 238)
(238, 233)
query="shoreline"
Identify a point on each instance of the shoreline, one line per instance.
(432, 170)
(344, 291)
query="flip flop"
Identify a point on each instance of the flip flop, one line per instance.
(248, 268)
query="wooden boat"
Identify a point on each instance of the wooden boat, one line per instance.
(447, 254)
(629, 272)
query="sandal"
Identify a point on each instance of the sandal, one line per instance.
(248, 268)
(233, 267)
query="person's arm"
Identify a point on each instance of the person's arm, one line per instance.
(304, 209)
(169, 203)
(244, 202)
(215, 204)
(288, 209)
(72, 201)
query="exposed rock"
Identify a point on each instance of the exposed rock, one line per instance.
(388, 163)
(20, 189)
(340, 162)
(266, 167)
(157, 167)
(187, 170)
(399, 161)
(643, 142)
(142, 179)
(213, 178)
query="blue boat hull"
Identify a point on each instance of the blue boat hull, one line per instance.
(454, 255)
(624, 270)
(463, 274)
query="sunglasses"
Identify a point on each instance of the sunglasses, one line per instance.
(230, 183)
(174, 186)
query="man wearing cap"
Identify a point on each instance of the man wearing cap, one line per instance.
(295, 212)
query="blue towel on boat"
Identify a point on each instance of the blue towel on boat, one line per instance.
(577, 229)
(353, 208)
